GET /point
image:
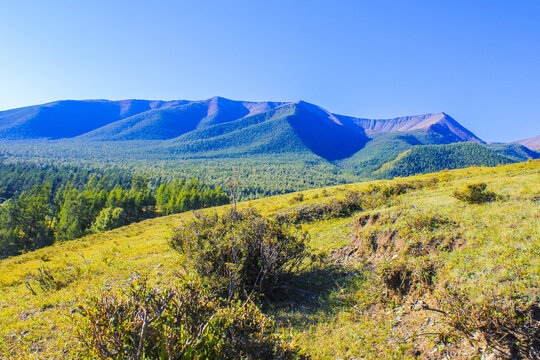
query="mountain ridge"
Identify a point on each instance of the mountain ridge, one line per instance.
(532, 143)
(135, 119)
(218, 128)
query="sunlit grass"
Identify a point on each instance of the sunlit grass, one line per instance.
(500, 255)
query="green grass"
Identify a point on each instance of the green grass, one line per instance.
(347, 313)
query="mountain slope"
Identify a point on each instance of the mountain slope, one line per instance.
(532, 143)
(384, 147)
(432, 158)
(440, 123)
(426, 239)
(293, 128)
(174, 121)
(103, 120)
(514, 151)
(70, 118)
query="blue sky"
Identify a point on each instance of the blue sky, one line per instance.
(478, 61)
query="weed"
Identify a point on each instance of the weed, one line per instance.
(46, 279)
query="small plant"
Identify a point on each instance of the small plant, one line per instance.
(46, 279)
(475, 194)
(242, 252)
(403, 278)
(426, 221)
(179, 322)
(297, 198)
(511, 329)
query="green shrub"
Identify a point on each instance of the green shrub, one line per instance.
(353, 201)
(241, 253)
(328, 209)
(297, 198)
(475, 194)
(180, 322)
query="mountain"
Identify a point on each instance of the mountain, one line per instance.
(440, 123)
(219, 126)
(70, 118)
(222, 131)
(173, 121)
(532, 143)
(514, 151)
(104, 120)
(297, 127)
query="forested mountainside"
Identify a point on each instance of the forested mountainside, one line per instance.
(277, 147)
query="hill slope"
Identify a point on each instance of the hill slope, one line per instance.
(70, 118)
(438, 244)
(532, 143)
(433, 158)
(218, 125)
(440, 123)
(173, 121)
(293, 128)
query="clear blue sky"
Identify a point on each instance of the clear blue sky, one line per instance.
(478, 61)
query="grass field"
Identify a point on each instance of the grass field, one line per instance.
(397, 278)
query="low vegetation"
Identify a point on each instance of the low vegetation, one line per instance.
(400, 269)
(180, 322)
(475, 194)
(241, 253)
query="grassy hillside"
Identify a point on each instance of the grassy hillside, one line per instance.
(411, 272)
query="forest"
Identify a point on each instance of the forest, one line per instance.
(42, 205)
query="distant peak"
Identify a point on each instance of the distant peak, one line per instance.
(217, 99)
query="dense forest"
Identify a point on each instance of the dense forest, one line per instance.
(432, 158)
(41, 205)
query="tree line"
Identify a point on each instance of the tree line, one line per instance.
(45, 213)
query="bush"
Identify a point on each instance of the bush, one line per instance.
(241, 253)
(297, 198)
(403, 278)
(46, 279)
(353, 201)
(475, 194)
(182, 322)
(329, 209)
(508, 327)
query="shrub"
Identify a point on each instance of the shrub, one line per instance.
(510, 328)
(475, 194)
(403, 278)
(333, 208)
(370, 198)
(426, 221)
(46, 279)
(297, 198)
(181, 322)
(242, 252)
